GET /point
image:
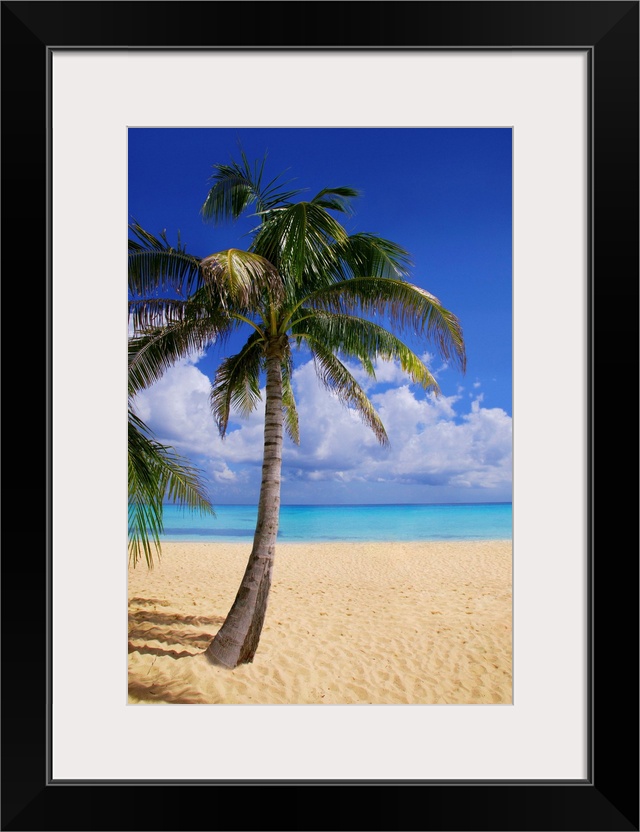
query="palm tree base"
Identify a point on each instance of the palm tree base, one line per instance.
(216, 660)
(237, 640)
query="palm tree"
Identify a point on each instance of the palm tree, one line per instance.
(155, 472)
(304, 281)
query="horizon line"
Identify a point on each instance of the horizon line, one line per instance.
(357, 505)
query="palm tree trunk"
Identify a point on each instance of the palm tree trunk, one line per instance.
(237, 640)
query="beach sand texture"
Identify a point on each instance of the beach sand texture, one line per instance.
(347, 623)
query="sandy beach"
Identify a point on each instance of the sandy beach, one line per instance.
(347, 623)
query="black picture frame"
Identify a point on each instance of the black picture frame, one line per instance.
(608, 798)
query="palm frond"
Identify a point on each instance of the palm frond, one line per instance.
(336, 199)
(156, 471)
(274, 193)
(298, 240)
(231, 193)
(152, 354)
(363, 339)
(407, 306)
(291, 422)
(337, 379)
(241, 278)
(209, 301)
(368, 255)
(151, 313)
(156, 265)
(237, 383)
(236, 186)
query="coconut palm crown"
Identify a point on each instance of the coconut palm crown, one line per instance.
(303, 282)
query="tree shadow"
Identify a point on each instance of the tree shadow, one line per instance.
(144, 602)
(169, 636)
(154, 617)
(146, 649)
(174, 629)
(166, 691)
(149, 631)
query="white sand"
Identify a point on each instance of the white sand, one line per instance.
(397, 623)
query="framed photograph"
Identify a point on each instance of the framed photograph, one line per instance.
(563, 79)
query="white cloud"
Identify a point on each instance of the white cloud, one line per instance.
(177, 408)
(431, 441)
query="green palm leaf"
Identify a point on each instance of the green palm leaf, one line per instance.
(337, 378)
(368, 255)
(336, 199)
(291, 423)
(152, 354)
(156, 471)
(236, 186)
(364, 340)
(237, 383)
(298, 240)
(407, 306)
(154, 264)
(150, 313)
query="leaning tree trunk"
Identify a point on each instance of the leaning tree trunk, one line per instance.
(237, 640)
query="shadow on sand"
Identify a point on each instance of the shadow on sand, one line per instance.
(149, 631)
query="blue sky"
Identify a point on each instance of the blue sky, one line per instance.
(445, 195)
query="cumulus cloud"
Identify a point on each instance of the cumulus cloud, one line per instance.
(432, 441)
(177, 408)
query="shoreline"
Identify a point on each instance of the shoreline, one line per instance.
(402, 622)
(248, 541)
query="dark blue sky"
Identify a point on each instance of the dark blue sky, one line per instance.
(443, 194)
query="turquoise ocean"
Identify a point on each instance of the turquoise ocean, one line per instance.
(327, 523)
